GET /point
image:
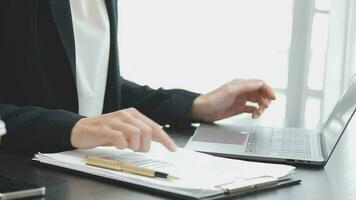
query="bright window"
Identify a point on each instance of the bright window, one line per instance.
(200, 44)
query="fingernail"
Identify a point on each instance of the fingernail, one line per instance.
(174, 148)
(255, 115)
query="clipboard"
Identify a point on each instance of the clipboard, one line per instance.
(264, 179)
(254, 189)
(228, 194)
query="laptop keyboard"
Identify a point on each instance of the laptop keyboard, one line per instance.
(281, 142)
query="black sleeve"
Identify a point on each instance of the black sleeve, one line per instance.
(163, 106)
(35, 129)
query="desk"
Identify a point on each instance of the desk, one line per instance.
(336, 181)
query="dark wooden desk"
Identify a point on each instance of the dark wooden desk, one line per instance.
(335, 181)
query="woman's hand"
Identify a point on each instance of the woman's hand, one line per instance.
(231, 99)
(126, 128)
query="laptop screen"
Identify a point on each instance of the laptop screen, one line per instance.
(339, 118)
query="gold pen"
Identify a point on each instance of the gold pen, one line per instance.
(123, 167)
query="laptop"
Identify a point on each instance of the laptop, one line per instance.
(278, 144)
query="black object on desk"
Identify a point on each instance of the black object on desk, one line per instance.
(15, 189)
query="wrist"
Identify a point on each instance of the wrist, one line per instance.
(196, 111)
(76, 133)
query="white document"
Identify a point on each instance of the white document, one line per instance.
(200, 175)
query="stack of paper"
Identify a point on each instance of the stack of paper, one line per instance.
(200, 175)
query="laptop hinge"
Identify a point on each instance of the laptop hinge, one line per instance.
(322, 146)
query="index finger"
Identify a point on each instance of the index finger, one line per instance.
(256, 86)
(268, 91)
(158, 134)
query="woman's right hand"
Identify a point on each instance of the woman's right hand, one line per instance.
(127, 128)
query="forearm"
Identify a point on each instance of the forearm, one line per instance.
(163, 106)
(36, 129)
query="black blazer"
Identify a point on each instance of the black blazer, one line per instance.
(38, 94)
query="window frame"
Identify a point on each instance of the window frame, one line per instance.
(299, 56)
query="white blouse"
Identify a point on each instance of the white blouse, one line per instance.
(92, 47)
